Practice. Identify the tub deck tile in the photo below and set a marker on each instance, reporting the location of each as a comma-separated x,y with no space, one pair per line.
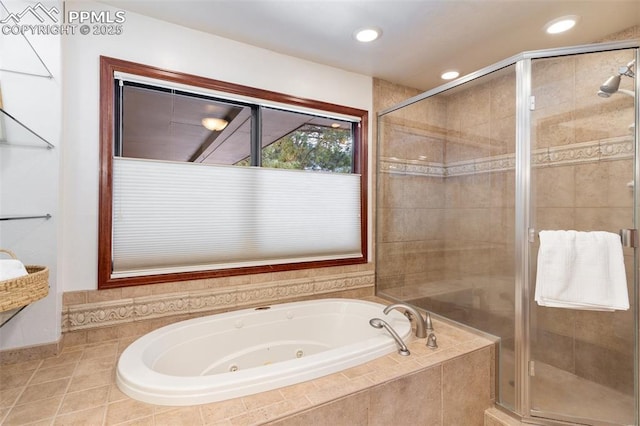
328,393
180,416
221,411
293,391
263,399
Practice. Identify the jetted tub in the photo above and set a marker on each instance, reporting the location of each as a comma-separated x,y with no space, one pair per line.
248,351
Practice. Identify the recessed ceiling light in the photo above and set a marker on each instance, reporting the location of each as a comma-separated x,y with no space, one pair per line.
214,124
366,35
449,75
560,25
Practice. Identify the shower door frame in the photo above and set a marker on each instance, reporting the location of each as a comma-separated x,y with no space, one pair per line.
523,231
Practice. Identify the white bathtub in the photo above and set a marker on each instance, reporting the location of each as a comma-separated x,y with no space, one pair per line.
248,351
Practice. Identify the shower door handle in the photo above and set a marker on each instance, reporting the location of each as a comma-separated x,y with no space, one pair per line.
629,237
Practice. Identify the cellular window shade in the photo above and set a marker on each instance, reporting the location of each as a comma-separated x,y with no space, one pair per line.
178,217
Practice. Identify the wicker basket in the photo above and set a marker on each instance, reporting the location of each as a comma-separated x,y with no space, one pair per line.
21,291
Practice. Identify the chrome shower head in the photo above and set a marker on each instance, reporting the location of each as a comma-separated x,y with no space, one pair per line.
610,86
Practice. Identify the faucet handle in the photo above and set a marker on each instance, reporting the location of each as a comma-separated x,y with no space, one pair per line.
428,324
431,341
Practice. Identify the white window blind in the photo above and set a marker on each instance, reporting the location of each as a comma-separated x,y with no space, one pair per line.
178,217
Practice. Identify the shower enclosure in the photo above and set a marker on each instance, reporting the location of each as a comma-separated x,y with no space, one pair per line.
470,172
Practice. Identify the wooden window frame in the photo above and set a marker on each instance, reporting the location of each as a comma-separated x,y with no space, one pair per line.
109,66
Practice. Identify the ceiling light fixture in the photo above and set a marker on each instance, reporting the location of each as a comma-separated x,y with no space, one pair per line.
560,25
214,124
366,35
335,125
449,75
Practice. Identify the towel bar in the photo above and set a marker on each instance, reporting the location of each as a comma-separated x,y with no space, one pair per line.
628,237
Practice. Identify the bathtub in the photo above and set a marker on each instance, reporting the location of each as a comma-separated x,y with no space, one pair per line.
243,352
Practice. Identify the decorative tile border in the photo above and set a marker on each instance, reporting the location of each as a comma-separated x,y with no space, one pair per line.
411,167
101,314
607,149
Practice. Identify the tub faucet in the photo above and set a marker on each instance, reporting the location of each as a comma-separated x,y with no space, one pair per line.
410,312
402,348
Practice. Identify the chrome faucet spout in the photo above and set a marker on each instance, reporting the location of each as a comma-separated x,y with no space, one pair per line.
421,331
378,323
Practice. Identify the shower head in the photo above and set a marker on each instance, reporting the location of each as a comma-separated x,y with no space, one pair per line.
610,86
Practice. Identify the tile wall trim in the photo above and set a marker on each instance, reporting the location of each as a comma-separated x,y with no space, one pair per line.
616,148
86,316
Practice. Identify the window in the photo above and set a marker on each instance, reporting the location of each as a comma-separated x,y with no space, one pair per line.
201,178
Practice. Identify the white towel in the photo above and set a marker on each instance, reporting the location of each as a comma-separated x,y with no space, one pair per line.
581,270
11,268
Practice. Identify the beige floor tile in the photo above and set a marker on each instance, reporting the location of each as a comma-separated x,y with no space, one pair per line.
63,358
82,400
92,416
14,380
28,413
41,391
115,394
48,374
43,422
128,409
3,413
91,380
101,351
92,365
8,397
143,421
21,367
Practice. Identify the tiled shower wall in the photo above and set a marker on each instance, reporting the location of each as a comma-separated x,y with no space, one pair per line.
446,210
447,189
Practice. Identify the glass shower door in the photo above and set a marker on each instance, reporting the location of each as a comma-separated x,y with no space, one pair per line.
582,178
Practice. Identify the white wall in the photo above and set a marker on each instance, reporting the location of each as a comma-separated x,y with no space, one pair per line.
29,176
65,110
163,45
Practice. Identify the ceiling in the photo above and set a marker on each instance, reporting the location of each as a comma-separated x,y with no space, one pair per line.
421,38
